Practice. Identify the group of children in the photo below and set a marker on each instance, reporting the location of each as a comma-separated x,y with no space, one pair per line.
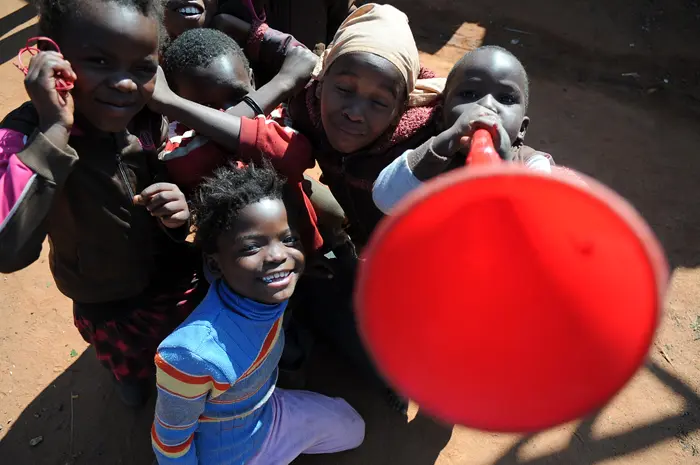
164,136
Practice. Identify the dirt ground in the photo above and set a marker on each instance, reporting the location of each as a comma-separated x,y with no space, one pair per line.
615,93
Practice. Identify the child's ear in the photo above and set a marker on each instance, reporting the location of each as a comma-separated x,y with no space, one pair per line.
252,78
523,128
212,264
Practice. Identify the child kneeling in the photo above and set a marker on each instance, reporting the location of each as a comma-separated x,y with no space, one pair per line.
216,373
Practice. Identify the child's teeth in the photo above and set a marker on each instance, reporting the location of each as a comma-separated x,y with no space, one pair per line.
188,10
275,277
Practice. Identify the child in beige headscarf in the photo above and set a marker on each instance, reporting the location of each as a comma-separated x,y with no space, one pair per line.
370,102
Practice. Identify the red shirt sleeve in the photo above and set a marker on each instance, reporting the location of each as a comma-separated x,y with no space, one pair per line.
288,150
189,157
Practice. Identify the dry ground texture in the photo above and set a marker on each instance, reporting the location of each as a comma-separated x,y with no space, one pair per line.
615,94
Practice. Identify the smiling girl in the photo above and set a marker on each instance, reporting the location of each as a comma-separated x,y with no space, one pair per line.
217,400
80,168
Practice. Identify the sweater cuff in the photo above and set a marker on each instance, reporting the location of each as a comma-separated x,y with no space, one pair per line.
425,163
47,160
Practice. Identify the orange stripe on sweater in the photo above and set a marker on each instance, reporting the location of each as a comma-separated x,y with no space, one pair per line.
270,339
170,450
187,378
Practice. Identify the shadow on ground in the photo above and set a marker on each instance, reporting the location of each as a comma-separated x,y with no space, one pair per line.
93,427
583,449
9,46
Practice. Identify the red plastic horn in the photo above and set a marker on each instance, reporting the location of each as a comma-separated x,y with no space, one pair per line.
508,300
481,151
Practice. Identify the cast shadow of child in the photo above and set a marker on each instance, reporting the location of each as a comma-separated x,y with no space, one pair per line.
81,421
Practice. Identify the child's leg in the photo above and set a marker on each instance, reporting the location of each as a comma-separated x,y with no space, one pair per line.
126,334
309,423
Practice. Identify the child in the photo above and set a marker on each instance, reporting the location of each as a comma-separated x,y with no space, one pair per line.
370,102
206,67
217,402
487,88
80,167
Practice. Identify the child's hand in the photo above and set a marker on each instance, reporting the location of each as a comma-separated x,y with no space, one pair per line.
298,65
54,107
481,118
166,202
162,95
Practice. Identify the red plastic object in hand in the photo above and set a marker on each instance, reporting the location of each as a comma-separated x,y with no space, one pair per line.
509,300
481,151
63,84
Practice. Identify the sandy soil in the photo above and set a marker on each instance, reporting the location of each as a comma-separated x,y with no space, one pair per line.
615,94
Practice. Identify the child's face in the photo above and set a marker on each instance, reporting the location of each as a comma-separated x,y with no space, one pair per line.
181,15
493,80
261,258
221,85
116,68
361,96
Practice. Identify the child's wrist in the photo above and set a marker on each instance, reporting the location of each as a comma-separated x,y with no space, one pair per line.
58,133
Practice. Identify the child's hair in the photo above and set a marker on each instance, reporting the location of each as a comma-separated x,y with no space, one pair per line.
220,198
54,14
458,65
198,48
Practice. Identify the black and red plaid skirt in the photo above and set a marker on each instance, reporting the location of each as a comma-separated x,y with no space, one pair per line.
126,334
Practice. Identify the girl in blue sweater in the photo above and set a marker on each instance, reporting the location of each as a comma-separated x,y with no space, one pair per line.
216,373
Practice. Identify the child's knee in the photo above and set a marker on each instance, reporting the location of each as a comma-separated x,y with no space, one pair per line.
354,427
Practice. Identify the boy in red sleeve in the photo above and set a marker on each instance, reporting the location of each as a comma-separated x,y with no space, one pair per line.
220,117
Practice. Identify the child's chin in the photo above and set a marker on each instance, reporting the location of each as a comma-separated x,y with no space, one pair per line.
283,294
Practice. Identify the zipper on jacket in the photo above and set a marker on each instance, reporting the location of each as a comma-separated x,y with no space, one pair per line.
125,178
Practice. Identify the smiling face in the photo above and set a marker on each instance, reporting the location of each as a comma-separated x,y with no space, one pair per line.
361,96
494,80
220,85
261,257
181,15
116,68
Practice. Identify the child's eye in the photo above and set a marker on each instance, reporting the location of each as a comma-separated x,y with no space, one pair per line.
380,104
290,240
147,68
97,61
508,99
469,94
250,249
343,90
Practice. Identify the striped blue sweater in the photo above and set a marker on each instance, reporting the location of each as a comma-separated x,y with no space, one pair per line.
215,374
